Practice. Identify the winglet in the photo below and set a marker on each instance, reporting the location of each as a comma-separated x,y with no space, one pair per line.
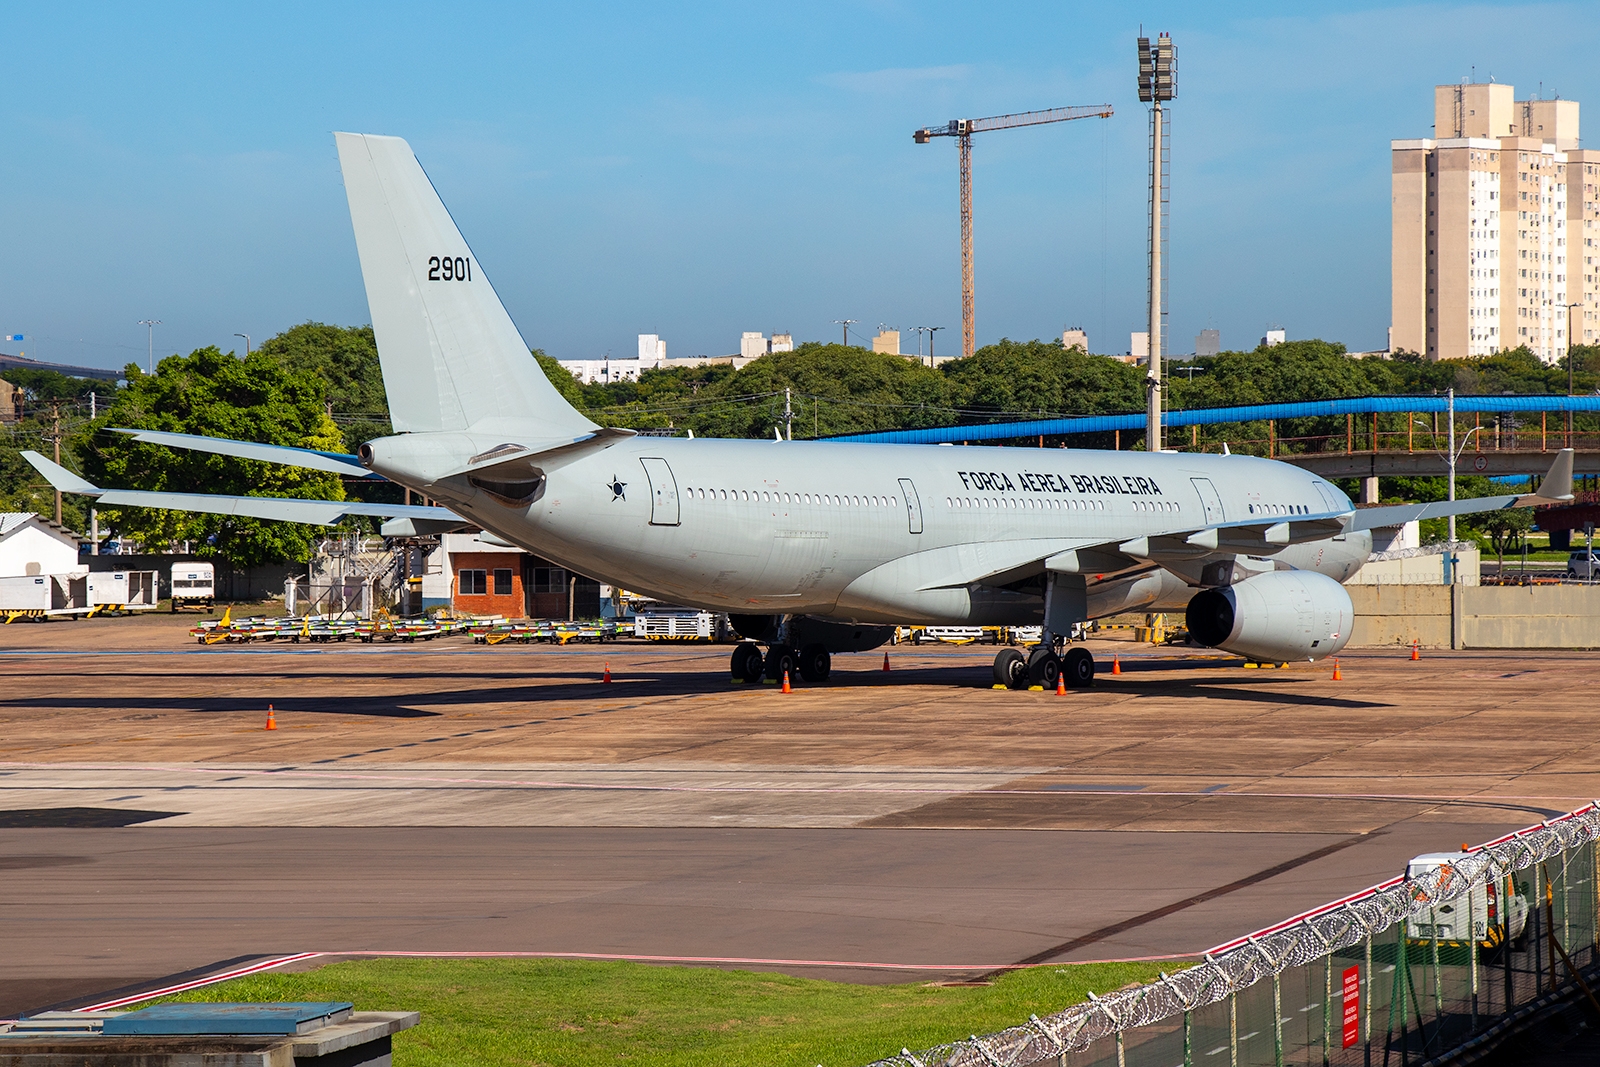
1557,485
64,480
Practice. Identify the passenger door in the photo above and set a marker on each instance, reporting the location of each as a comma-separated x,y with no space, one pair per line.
663,491
913,505
1211,501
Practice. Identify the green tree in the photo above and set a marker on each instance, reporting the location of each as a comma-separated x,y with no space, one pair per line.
213,394
1505,528
345,358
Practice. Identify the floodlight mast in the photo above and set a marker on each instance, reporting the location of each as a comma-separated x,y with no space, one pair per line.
1157,85
962,130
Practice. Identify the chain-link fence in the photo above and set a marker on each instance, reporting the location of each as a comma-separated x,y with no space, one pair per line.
1398,974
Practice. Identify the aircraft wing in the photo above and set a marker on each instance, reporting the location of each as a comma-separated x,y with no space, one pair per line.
316,512
333,462
1556,488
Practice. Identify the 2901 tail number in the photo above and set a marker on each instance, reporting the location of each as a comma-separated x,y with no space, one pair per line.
448,269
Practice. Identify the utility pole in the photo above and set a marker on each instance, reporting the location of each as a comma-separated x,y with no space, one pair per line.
246,342
55,433
846,323
1157,84
1569,370
150,325
962,130
788,417
931,330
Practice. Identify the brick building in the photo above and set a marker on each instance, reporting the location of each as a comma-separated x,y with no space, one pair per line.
490,579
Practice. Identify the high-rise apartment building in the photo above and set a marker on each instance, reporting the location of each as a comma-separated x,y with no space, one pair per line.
1495,224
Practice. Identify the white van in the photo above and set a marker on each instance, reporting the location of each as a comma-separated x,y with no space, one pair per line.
1450,919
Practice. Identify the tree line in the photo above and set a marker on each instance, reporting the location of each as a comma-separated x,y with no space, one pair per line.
321,386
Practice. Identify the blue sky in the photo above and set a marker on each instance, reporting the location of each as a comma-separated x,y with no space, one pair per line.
704,170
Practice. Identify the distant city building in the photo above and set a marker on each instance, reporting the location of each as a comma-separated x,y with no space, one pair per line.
1208,343
1494,228
652,347
887,342
1276,335
652,356
781,342
1075,337
752,345
10,402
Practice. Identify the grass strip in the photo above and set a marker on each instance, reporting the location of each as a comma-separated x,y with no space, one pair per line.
579,1013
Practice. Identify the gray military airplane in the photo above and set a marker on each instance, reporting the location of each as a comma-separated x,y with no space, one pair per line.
814,547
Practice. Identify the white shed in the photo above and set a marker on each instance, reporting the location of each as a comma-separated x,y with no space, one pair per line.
31,545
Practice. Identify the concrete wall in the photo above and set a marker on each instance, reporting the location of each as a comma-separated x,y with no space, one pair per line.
1420,569
1442,616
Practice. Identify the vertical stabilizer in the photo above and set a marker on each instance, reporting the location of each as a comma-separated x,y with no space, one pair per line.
452,358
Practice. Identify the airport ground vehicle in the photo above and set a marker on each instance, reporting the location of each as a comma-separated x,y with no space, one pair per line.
1489,916
1583,564
193,584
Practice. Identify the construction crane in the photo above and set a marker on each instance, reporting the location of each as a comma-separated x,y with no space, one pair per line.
962,130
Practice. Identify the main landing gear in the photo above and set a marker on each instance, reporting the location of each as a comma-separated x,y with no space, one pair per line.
1042,667
811,664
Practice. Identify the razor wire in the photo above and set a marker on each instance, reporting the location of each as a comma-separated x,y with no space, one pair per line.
1237,965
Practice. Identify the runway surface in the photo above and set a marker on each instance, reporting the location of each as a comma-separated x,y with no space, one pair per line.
460,798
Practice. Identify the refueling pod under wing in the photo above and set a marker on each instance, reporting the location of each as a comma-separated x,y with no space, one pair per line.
1274,617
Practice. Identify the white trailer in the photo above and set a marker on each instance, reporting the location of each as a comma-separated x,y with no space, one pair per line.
122,590
42,595
193,583
27,595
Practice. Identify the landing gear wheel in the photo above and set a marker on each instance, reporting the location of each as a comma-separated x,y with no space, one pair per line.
1010,669
1044,668
815,663
781,661
748,663
1077,666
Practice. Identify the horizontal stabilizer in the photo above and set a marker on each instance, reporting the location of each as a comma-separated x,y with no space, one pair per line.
58,476
280,509
333,462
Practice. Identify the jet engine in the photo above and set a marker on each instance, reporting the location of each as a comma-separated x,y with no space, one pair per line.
1274,617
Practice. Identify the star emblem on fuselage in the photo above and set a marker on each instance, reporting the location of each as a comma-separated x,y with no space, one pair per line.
617,488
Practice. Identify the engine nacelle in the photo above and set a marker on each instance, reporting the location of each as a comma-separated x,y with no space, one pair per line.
1274,617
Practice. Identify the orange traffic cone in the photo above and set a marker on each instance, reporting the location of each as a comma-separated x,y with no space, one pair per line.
606,677
1116,665
1061,685
1336,675
886,662
1415,654
272,720
786,688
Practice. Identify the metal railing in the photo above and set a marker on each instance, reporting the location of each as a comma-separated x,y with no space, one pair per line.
1381,977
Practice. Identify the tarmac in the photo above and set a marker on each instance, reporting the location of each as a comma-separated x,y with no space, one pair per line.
448,797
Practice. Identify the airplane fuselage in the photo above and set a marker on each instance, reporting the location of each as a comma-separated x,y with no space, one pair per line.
883,533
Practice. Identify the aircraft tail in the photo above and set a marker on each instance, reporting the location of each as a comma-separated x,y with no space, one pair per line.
452,358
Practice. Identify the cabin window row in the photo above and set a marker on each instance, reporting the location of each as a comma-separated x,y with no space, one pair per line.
1025,503
1279,509
767,496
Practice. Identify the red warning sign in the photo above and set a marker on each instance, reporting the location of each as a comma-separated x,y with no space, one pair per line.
1352,1006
